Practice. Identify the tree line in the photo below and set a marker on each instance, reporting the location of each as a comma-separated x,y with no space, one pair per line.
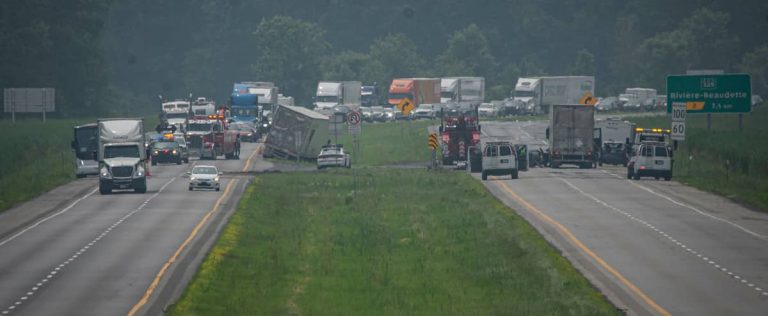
111,57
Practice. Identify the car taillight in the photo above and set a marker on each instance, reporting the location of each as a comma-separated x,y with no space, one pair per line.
642,167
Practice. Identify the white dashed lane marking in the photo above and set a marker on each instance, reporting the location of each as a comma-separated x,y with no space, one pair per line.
82,250
705,259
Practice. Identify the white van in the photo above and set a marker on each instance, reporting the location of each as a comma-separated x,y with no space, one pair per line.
499,158
651,159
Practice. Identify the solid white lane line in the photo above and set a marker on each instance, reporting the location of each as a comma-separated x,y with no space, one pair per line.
16,235
665,235
82,250
698,211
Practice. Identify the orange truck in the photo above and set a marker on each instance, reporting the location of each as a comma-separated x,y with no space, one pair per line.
418,90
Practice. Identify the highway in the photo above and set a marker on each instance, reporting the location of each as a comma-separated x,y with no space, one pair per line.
73,251
652,247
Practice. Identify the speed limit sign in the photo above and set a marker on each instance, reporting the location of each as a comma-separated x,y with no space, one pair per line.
678,121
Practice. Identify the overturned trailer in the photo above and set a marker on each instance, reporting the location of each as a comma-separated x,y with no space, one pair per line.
296,131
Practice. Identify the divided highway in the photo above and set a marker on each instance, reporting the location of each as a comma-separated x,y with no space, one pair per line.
653,247
111,254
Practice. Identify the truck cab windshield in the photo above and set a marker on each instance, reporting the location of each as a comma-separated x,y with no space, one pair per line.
121,151
524,94
244,111
327,98
398,96
198,127
176,115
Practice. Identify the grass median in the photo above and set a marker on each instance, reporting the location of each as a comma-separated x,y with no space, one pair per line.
723,159
382,242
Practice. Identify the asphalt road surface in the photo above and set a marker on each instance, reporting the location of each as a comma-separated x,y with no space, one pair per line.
652,247
73,251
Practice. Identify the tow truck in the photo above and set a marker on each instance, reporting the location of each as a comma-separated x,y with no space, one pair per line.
209,136
460,133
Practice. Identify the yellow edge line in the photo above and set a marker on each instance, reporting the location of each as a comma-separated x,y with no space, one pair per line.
151,289
575,241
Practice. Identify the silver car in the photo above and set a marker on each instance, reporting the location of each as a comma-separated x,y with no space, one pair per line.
204,177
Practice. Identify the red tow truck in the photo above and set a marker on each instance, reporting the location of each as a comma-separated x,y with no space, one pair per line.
460,132
209,136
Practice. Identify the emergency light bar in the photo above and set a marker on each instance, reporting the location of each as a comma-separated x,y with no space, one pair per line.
652,130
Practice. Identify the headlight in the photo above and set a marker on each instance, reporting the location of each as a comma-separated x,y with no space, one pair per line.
155,153
216,179
104,173
192,178
139,172
175,152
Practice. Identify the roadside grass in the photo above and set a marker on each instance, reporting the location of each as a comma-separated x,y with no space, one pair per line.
382,242
399,142
723,160
36,157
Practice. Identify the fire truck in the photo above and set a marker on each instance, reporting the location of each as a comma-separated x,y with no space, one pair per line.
460,132
209,136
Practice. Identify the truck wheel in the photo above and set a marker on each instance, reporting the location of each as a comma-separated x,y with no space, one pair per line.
515,175
140,189
629,173
154,163
80,176
555,165
484,176
104,190
178,162
636,176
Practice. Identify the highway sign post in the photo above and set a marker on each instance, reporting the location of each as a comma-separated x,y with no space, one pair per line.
29,100
353,122
711,93
678,121
354,126
432,144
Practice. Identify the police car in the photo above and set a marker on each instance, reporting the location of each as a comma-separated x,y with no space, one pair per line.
166,150
333,156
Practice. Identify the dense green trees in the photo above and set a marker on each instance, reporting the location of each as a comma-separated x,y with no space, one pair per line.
116,56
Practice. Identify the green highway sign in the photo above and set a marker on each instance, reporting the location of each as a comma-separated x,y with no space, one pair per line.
716,93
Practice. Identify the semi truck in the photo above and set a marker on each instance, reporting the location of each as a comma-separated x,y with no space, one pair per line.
85,145
639,99
296,131
249,99
203,106
462,90
122,155
460,135
535,95
571,135
369,96
418,90
332,94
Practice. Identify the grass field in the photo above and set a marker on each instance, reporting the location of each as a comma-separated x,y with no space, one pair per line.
391,143
36,157
383,242
722,159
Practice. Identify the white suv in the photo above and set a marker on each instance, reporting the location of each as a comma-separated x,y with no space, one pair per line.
651,159
499,158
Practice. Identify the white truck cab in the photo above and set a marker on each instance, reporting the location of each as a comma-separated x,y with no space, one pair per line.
499,158
651,159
